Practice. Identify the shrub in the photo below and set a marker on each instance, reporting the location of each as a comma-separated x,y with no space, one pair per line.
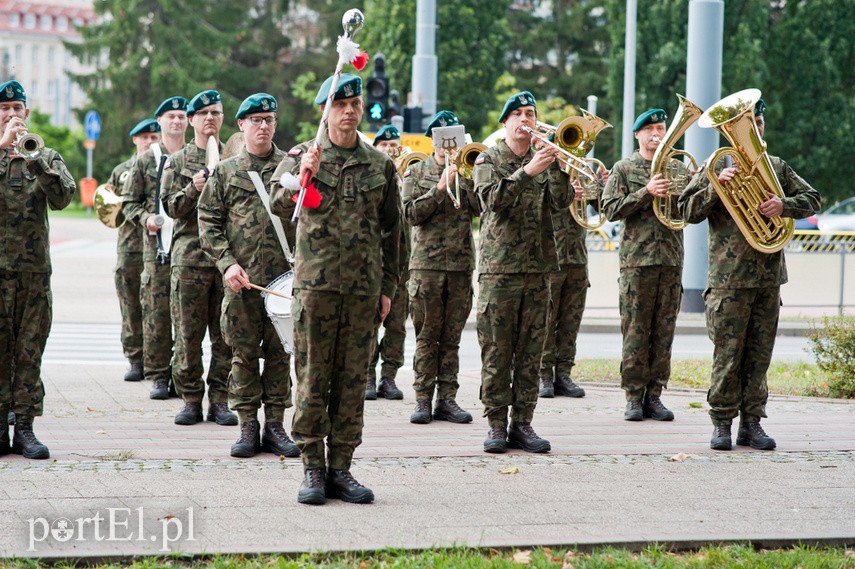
833,345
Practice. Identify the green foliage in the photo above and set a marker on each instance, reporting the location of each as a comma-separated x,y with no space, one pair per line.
833,344
62,139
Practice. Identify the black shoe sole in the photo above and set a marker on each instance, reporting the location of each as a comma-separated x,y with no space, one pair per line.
313,497
498,447
393,396
421,420
41,455
721,445
227,422
574,394
133,378
188,420
668,417
748,443
243,453
159,395
541,448
370,396
289,453
364,497
452,418
546,393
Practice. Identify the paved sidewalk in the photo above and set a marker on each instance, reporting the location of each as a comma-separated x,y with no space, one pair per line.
114,452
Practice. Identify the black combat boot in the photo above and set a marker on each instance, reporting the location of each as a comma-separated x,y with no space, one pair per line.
721,436
135,373
547,388
633,411
566,387
219,413
449,410
160,389
653,408
388,389
249,442
421,416
5,446
371,388
313,489
752,434
277,441
25,442
190,414
497,439
521,435
342,485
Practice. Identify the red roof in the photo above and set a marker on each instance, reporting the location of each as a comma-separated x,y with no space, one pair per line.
22,7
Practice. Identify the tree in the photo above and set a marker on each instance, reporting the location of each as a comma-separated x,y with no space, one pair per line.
67,142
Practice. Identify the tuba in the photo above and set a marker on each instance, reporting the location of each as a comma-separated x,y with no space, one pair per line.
108,206
733,117
671,169
407,158
29,146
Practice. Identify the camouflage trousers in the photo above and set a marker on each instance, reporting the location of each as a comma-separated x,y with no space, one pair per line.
129,267
742,324
196,299
252,337
26,308
512,312
568,291
391,347
649,303
157,321
332,342
440,302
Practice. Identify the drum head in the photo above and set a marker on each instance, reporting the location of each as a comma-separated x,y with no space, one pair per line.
277,305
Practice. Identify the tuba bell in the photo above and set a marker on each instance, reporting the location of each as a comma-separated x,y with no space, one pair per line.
733,117
108,206
29,146
664,163
406,158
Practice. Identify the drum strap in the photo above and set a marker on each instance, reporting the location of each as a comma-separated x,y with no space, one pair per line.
277,222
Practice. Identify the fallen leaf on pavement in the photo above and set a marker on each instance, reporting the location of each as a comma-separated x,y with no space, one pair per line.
679,457
90,409
522,557
100,432
510,470
696,405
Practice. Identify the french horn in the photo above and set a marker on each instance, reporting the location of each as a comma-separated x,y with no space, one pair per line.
108,206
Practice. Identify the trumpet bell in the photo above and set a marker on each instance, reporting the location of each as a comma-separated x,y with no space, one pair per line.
29,146
108,206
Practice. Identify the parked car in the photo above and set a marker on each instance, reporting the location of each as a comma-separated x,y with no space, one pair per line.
807,223
839,217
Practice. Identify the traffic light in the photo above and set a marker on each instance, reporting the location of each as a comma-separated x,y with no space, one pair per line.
377,93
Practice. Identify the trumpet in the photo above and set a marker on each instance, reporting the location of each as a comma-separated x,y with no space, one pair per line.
29,146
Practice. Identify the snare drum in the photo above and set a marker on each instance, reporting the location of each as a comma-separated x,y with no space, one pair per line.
279,309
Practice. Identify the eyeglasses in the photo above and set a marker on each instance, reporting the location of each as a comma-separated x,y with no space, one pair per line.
258,121
213,114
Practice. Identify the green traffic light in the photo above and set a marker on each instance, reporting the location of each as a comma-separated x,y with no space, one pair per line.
376,112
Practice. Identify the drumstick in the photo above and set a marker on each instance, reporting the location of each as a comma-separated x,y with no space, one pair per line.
268,291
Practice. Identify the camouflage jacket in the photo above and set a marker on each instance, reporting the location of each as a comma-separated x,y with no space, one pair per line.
516,212
234,226
348,244
442,234
139,206
644,240
26,193
569,238
733,263
179,197
130,234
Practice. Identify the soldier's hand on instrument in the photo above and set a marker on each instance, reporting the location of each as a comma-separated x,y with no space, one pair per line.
310,162
16,126
658,186
236,278
578,191
773,207
604,176
728,174
541,161
151,224
199,180
385,308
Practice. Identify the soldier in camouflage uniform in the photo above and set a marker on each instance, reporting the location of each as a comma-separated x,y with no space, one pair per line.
743,299
568,289
518,188
651,263
196,287
28,187
391,347
346,266
441,284
239,235
139,208
129,263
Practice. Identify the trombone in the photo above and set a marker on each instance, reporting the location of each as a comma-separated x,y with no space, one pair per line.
568,159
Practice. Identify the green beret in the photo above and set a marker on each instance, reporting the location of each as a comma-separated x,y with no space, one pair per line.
201,100
144,126
522,99
650,116
442,118
388,132
171,104
258,103
12,91
348,86
759,108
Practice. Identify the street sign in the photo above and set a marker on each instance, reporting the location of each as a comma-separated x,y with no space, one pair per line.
92,125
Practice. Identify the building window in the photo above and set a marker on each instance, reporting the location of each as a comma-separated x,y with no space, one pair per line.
62,23
35,54
29,21
46,22
51,88
51,53
14,19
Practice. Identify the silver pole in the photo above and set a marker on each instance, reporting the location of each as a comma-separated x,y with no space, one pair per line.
425,66
628,144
